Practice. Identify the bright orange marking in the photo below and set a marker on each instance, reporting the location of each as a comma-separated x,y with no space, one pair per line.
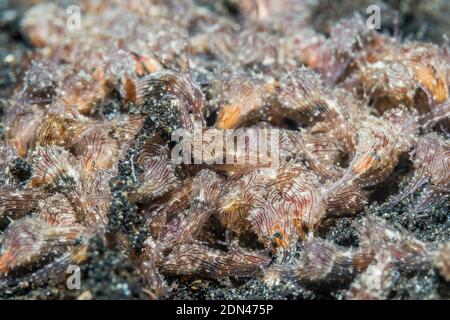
298,226
281,243
434,82
5,260
364,164
228,117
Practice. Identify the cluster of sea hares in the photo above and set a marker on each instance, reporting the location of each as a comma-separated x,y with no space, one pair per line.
86,152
